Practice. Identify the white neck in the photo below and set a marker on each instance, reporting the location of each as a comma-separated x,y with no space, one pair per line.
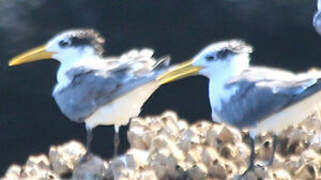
222,74
61,73
68,61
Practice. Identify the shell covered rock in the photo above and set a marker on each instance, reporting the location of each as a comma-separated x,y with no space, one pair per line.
166,147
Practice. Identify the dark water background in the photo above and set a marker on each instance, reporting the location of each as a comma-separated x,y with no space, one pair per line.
281,32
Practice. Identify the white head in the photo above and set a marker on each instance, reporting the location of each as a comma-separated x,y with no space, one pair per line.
225,58
66,47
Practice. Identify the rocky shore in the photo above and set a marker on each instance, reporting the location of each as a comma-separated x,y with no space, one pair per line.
166,147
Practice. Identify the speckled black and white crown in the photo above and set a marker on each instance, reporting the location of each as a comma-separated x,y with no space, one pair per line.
238,46
223,49
83,37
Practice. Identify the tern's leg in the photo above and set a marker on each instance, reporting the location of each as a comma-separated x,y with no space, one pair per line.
252,157
116,140
274,143
89,139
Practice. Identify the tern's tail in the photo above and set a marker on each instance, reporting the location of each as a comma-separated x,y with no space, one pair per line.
162,63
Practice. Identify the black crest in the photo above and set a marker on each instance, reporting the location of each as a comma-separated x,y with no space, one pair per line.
224,53
85,37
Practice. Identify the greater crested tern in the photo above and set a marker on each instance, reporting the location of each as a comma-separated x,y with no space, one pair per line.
97,90
259,99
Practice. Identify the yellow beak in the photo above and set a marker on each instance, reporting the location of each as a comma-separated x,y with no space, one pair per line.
35,54
179,71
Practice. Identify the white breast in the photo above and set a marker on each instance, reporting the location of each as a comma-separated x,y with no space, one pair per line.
123,108
218,93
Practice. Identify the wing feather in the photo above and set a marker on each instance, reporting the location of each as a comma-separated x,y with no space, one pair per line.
262,92
91,88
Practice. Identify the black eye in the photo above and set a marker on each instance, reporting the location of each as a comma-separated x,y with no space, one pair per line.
209,57
64,43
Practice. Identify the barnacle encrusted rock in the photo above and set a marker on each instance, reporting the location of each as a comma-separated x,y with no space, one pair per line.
37,167
64,158
94,168
166,147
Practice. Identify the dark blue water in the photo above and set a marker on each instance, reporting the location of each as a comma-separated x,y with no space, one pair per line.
280,31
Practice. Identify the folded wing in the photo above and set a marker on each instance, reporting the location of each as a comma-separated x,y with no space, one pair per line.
263,92
92,88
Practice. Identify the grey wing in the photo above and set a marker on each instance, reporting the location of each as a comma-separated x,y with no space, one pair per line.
78,100
258,98
92,88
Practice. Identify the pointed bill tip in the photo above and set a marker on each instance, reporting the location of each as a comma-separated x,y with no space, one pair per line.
179,71
35,54
11,63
